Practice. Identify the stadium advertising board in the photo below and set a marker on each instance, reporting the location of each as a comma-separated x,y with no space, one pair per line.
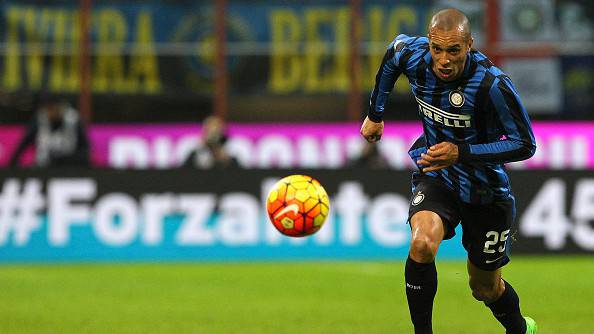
555,211
108,215
190,215
316,145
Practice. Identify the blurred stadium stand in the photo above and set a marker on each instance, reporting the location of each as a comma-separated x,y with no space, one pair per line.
156,61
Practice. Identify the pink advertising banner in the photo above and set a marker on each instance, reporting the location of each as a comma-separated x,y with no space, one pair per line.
315,145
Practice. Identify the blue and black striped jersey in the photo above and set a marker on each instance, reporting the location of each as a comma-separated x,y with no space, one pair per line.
480,112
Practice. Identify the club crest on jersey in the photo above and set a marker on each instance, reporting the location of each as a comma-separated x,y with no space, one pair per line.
444,117
456,98
418,199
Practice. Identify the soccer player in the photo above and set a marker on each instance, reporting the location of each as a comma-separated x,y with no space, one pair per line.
473,123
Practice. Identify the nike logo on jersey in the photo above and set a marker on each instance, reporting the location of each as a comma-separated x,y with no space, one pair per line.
491,261
292,207
443,117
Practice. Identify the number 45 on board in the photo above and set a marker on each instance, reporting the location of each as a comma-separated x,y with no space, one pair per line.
546,216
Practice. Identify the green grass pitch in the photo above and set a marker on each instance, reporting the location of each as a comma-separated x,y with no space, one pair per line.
297,297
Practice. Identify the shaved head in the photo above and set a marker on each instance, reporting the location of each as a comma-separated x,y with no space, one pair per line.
450,43
450,20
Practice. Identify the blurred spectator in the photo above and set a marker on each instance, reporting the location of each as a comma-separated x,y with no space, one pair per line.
212,153
370,157
58,135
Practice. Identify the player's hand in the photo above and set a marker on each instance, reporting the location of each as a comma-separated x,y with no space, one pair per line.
371,130
439,156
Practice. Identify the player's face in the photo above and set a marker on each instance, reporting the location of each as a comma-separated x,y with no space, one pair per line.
449,50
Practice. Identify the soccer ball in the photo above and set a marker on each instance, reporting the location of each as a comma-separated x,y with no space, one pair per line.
298,205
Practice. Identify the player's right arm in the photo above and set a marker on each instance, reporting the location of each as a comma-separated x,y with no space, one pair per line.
385,79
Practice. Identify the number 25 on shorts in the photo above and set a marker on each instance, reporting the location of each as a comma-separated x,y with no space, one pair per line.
493,238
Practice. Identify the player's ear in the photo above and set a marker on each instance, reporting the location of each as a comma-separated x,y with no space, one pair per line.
470,41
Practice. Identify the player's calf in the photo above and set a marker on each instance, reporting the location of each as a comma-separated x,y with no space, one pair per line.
427,232
486,291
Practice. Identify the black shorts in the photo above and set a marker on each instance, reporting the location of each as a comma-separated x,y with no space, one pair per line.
485,228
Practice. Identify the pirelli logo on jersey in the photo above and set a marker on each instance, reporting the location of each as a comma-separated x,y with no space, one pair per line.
443,117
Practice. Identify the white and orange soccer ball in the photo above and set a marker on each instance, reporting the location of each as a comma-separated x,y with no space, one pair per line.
298,205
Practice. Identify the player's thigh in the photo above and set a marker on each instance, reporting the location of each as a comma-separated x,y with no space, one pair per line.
486,233
427,224
427,232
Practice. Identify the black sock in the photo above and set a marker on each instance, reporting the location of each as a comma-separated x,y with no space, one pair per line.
421,286
506,310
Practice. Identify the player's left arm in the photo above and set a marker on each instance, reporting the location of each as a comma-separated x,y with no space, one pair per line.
518,144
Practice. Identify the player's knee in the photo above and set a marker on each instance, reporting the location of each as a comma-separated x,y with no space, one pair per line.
485,292
423,249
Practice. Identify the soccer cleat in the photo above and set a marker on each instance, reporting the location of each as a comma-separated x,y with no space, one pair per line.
530,325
